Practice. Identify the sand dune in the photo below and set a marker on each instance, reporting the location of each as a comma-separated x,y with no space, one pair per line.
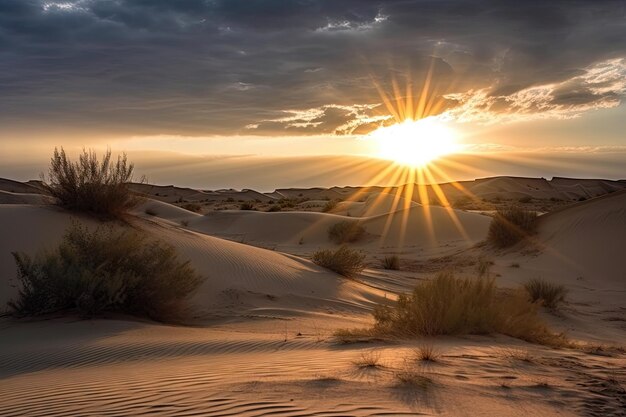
122,368
163,210
429,226
171,194
374,204
426,227
18,187
239,277
7,197
263,320
493,188
588,240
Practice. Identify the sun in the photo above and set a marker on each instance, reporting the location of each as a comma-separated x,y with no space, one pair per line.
415,142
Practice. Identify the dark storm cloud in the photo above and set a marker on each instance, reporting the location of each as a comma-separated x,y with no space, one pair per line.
214,67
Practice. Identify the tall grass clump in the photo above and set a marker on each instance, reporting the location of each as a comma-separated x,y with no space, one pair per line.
344,261
510,226
391,262
550,295
346,232
91,185
448,305
104,270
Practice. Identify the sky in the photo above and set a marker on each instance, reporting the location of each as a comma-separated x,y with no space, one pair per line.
199,92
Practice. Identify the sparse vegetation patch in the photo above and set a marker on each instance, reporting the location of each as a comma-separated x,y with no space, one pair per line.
344,261
330,206
90,185
511,226
448,305
346,232
246,206
93,272
391,262
550,295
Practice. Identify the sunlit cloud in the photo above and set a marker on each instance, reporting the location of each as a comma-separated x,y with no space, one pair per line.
600,86
331,119
352,26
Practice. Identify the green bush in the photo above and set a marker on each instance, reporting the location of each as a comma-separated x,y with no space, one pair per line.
104,271
550,295
510,226
345,232
448,305
273,208
344,261
89,185
391,262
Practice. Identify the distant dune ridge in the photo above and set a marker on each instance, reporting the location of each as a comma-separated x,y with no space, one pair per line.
262,324
487,188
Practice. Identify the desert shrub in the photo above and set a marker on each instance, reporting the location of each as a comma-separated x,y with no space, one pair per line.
274,208
286,203
582,198
448,305
525,199
89,185
330,206
391,262
195,207
510,226
345,232
230,200
344,261
92,272
550,295
246,206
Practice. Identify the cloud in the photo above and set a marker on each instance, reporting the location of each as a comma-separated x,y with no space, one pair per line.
599,86
331,119
200,67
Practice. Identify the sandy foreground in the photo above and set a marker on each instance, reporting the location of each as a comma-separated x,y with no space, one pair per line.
259,340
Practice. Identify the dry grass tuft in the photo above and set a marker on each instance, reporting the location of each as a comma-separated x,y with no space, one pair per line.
511,226
550,295
391,262
193,207
345,232
427,353
483,266
448,305
344,261
410,376
368,359
330,206
246,206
